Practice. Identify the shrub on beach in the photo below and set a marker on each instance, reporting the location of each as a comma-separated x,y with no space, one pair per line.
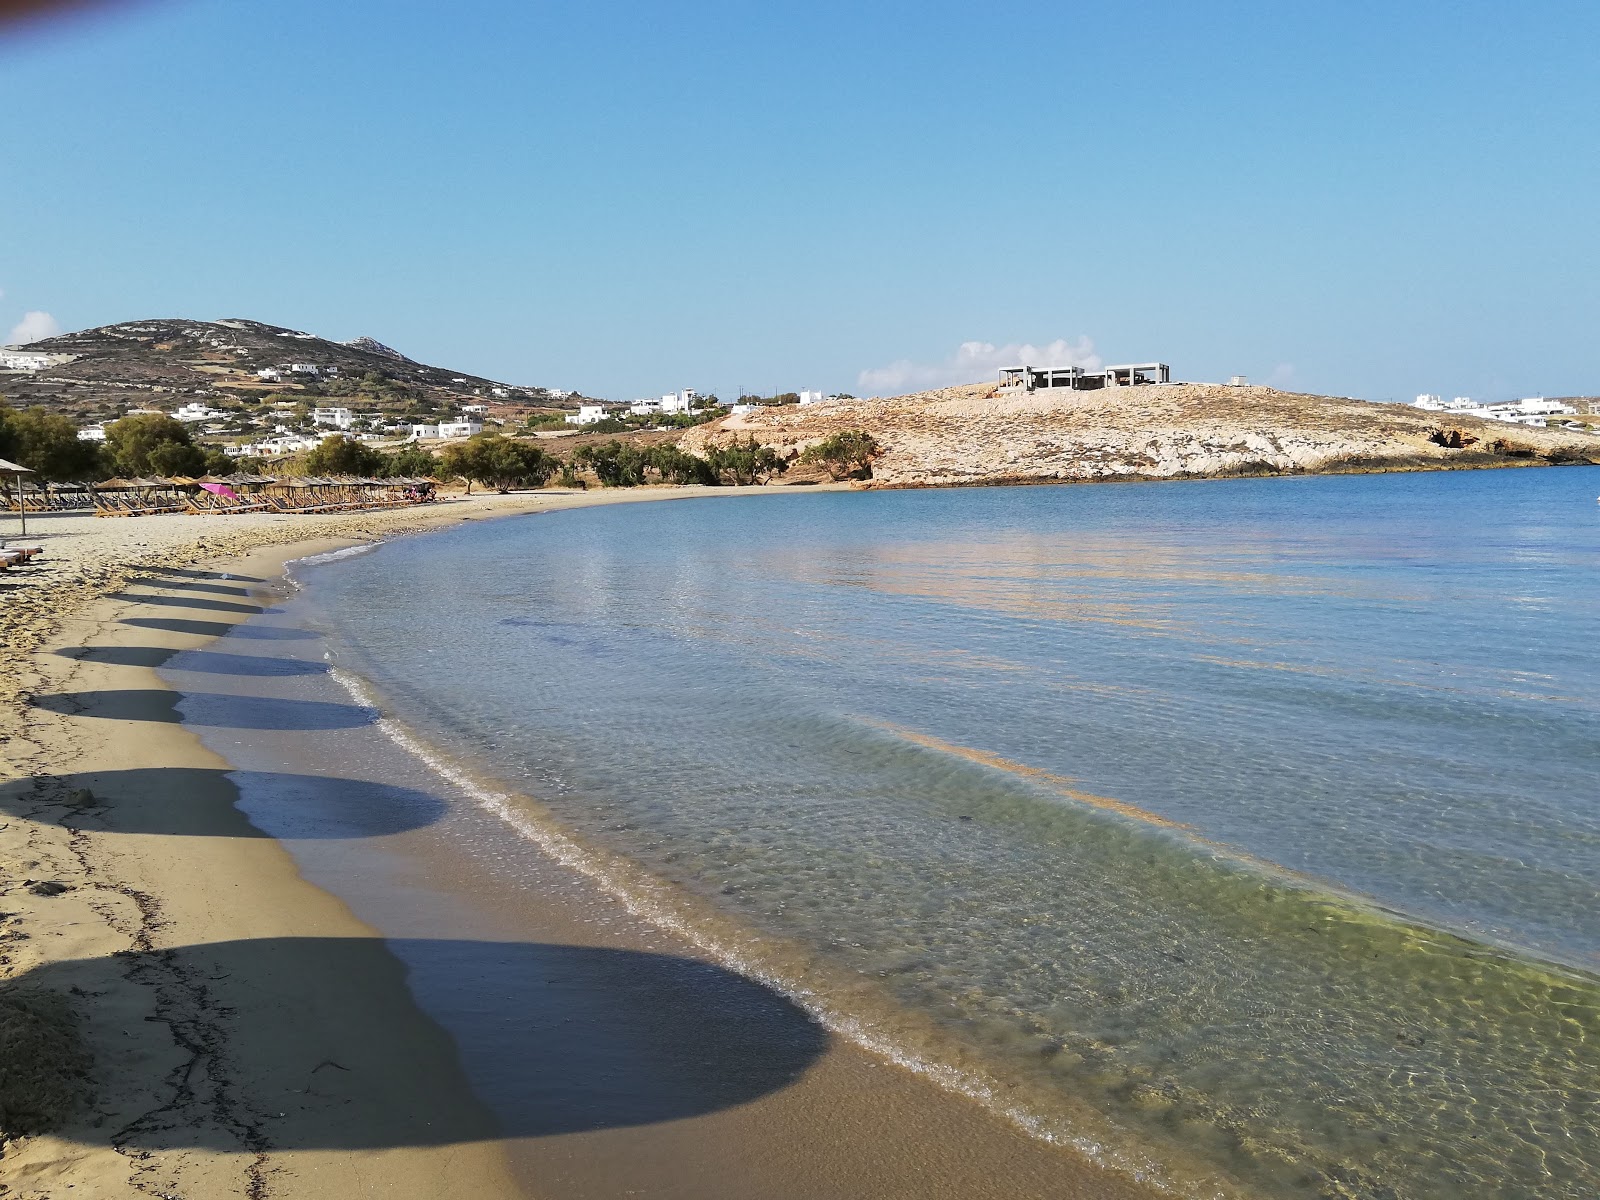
746,462
614,464
844,455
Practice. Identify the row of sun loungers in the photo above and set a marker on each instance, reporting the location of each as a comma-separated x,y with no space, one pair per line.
17,556
339,500
148,497
112,504
38,502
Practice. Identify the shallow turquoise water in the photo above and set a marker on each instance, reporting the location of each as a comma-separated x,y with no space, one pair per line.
1247,827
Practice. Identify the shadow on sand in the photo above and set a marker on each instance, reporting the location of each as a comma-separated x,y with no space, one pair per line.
203,802
204,662
554,1040
215,710
187,585
190,573
216,629
201,602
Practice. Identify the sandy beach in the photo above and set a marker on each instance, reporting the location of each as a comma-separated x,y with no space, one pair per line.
243,1032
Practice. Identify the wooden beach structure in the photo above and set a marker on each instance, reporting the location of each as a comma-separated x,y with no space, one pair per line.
221,495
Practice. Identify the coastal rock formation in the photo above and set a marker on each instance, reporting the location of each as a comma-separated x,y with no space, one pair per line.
976,435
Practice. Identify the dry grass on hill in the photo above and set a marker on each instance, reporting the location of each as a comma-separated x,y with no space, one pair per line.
973,434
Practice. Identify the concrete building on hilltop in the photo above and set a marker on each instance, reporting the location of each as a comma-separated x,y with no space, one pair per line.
1080,379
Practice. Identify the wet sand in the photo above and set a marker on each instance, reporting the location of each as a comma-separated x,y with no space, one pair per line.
254,1033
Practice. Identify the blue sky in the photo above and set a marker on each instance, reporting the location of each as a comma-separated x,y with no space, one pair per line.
1357,198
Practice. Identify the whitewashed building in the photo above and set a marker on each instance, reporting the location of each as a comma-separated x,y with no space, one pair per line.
587,414
455,429
1532,410
425,431
338,418
195,411
31,360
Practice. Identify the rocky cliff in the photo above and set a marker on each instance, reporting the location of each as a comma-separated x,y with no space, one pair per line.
975,435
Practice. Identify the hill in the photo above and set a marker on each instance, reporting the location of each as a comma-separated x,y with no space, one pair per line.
975,434
99,373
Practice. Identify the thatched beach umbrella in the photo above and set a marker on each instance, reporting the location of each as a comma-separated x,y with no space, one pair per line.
17,472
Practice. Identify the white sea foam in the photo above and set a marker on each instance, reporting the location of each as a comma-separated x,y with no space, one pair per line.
649,902
316,560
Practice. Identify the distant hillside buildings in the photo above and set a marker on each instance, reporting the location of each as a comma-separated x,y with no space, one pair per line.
1533,410
13,359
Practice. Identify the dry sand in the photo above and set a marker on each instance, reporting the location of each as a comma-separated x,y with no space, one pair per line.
251,1036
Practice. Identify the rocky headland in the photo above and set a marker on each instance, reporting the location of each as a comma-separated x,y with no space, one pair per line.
978,435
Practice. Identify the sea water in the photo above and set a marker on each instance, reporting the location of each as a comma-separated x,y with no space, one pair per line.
1244,834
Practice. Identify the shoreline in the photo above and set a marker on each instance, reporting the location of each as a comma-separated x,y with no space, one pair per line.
164,889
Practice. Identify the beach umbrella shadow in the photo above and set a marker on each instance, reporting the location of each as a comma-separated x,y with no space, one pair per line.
202,602
216,710
263,633
203,802
190,573
368,1043
205,662
187,585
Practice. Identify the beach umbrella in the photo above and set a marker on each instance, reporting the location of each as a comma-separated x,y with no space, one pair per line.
17,472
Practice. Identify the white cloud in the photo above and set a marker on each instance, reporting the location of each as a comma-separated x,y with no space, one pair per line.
975,362
34,327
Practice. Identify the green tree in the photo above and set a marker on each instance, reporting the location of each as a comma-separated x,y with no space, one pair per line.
614,464
546,420
174,458
219,463
499,462
677,466
411,460
48,443
153,444
339,455
845,455
747,462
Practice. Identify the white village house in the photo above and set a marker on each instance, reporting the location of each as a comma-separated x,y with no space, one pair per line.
195,411
587,414
14,359
338,418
